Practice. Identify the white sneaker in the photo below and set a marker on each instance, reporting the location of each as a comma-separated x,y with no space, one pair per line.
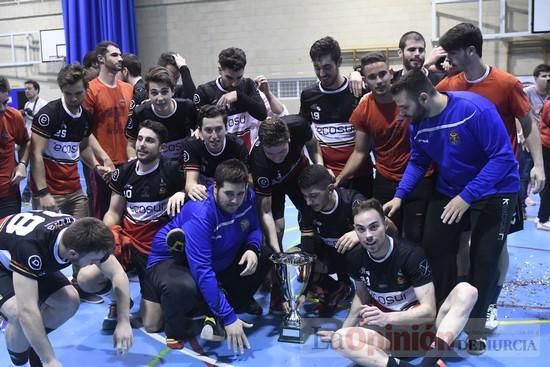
543,226
491,322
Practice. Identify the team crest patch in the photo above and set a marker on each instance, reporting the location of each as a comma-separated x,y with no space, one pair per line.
35,262
263,182
43,120
245,224
454,138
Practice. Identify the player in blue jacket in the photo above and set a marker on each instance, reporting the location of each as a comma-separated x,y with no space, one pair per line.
216,255
476,185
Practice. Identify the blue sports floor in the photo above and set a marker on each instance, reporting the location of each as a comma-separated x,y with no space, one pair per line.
522,339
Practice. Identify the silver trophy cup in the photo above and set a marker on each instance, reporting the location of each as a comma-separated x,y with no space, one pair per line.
293,269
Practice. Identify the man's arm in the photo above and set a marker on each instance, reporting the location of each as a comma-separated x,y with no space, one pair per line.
357,158
249,98
38,172
267,222
116,210
122,336
30,318
314,151
533,143
194,190
424,312
361,297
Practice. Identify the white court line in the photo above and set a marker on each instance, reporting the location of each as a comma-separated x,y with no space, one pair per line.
186,351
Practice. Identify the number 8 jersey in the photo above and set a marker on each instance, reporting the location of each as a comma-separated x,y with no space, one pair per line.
29,243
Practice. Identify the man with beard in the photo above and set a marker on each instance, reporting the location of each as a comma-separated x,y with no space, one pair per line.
238,95
377,119
146,191
108,101
412,51
327,106
202,155
476,186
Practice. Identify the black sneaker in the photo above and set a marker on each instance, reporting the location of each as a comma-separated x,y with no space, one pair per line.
477,346
110,321
212,330
85,296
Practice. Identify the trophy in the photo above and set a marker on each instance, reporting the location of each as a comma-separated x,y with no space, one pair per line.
293,269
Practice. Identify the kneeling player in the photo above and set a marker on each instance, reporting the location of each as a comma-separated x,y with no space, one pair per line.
37,297
395,294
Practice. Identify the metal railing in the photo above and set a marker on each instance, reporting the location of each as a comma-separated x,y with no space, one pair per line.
20,49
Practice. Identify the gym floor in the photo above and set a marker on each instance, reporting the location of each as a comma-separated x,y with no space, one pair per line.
520,340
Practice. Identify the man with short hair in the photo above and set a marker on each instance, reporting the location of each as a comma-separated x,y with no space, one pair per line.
108,100
464,46
131,73
380,126
334,236
217,254
328,105
177,115
202,155
177,67
237,94
34,102
412,51
395,301
476,186
61,137
12,171
37,297
145,194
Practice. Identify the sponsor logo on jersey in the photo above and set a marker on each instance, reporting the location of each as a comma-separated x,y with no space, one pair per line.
395,301
43,120
237,122
185,156
122,102
196,98
174,149
63,150
35,262
340,132
263,182
115,174
424,268
146,211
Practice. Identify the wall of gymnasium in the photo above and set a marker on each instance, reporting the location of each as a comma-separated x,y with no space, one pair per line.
277,35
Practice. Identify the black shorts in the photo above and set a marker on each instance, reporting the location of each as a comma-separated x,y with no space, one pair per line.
290,188
10,205
139,261
47,285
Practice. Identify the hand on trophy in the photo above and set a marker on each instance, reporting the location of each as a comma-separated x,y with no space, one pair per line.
236,337
373,316
251,260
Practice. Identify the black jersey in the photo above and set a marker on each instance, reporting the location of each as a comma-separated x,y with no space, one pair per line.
391,280
146,197
242,114
197,157
333,224
140,94
29,242
64,132
179,125
267,174
329,111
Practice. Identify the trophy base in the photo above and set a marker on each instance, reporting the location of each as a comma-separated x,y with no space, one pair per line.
291,335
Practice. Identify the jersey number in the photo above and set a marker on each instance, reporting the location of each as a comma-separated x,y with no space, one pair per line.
23,223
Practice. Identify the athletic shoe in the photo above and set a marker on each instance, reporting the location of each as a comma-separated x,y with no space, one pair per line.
174,343
110,321
212,330
491,323
477,346
543,226
85,296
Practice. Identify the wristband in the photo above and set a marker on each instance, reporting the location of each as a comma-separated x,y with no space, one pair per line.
25,163
42,192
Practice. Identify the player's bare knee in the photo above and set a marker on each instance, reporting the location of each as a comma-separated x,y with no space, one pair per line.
65,301
91,280
466,295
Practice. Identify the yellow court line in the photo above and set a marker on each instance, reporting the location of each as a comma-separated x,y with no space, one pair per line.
523,322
